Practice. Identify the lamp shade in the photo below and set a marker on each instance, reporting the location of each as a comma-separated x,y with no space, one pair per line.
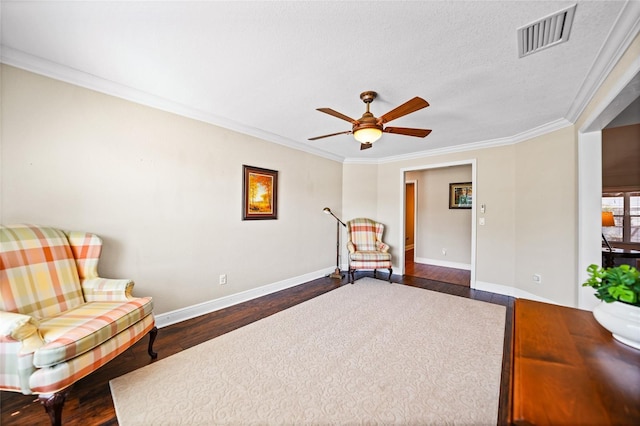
607,219
367,135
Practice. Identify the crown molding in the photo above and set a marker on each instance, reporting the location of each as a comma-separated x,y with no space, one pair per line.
492,143
57,71
622,34
22,60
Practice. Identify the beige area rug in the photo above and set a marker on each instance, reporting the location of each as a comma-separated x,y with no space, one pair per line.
368,353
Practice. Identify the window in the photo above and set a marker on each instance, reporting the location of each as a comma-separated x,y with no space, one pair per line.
626,213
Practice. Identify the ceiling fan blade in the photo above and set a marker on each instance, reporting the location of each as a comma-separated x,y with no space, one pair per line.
337,114
419,133
365,145
406,108
332,134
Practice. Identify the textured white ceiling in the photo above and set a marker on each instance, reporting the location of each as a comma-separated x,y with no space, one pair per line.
263,67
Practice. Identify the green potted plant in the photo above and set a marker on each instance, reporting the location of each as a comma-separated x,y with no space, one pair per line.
619,290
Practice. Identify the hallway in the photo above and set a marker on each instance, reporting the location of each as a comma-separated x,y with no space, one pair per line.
437,273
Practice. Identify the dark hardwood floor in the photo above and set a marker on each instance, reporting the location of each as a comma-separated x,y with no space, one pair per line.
436,273
89,401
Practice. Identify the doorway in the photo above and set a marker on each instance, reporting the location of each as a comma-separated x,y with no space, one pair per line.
626,91
410,214
427,221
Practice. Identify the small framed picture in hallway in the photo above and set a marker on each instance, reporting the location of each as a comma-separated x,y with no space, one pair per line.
460,195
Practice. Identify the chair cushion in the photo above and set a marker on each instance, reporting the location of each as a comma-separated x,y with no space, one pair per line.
370,256
79,330
369,260
60,376
38,274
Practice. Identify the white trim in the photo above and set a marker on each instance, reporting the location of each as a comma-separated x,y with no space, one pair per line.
474,221
474,173
589,208
622,34
183,314
445,263
511,292
622,94
510,140
19,59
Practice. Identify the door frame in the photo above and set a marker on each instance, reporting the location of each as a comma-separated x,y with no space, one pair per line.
403,171
415,211
621,95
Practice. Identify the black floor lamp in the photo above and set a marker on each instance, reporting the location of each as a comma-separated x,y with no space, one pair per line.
337,273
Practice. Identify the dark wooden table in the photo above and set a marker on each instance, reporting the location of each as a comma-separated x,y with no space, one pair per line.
610,255
568,370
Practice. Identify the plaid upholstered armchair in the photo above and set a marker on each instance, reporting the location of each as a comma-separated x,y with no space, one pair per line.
366,249
59,321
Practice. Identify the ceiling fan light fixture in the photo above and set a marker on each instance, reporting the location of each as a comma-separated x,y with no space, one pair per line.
367,135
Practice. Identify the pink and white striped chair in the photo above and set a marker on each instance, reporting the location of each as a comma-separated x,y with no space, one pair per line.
59,321
366,249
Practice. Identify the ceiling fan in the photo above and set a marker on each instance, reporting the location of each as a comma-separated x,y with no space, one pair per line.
368,129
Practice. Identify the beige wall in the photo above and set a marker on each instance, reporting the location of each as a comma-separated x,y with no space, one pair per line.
361,192
530,219
546,216
163,191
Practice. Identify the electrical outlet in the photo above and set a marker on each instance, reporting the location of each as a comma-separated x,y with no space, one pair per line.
444,251
537,278
223,279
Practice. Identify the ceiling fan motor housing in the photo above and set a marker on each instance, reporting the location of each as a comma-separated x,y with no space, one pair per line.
368,120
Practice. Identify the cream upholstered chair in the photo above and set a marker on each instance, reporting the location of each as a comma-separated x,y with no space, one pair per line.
59,321
366,249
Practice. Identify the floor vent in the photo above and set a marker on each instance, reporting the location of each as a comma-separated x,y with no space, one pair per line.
546,32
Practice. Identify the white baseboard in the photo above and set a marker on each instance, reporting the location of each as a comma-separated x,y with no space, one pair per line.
510,291
445,263
183,314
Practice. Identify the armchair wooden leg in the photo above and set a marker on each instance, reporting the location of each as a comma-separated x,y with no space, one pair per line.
53,405
352,272
390,272
152,338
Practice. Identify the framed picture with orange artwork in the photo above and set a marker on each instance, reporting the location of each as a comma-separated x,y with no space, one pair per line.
259,193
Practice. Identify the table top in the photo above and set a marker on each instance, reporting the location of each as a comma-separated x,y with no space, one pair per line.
567,369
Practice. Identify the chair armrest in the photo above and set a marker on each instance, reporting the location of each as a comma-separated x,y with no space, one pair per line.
382,246
351,247
23,328
106,290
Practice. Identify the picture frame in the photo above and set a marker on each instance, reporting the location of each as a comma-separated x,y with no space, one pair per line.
259,193
460,195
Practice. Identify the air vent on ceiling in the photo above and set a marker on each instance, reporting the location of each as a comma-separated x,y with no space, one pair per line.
546,32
